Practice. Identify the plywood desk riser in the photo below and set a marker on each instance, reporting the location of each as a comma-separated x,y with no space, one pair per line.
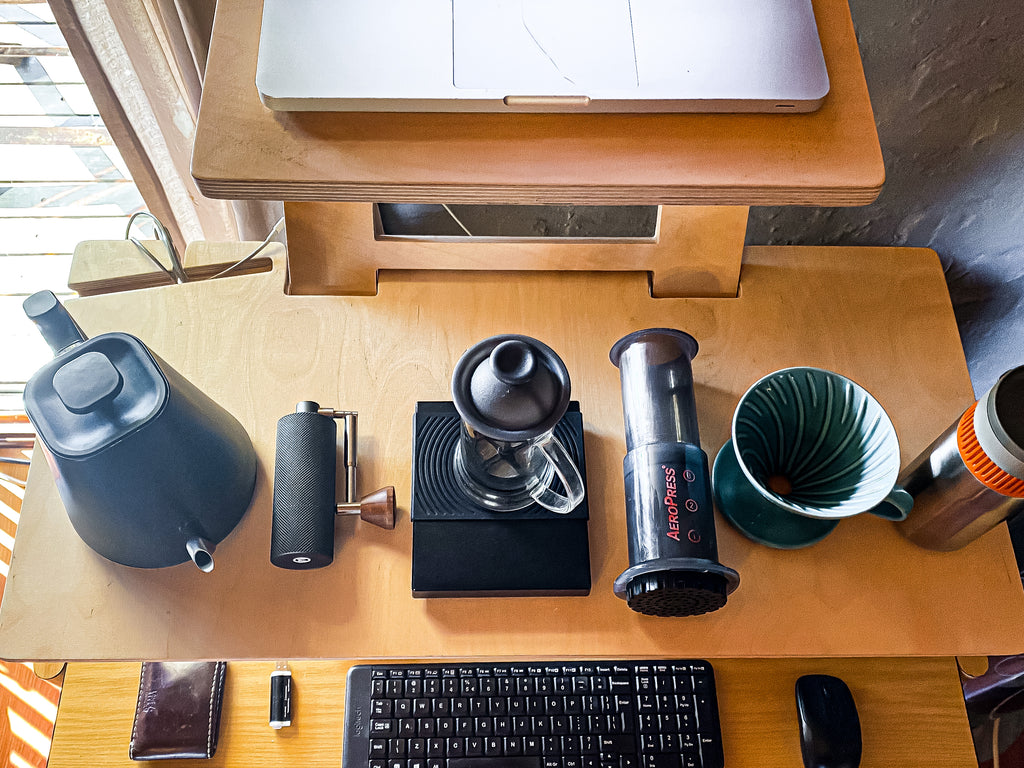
880,316
327,166
244,150
911,712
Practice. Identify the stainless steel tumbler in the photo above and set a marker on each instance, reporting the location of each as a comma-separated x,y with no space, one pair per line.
972,477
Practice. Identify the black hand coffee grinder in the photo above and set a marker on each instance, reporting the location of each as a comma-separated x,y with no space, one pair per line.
673,552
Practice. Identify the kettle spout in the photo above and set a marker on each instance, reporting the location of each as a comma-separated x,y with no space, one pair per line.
201,552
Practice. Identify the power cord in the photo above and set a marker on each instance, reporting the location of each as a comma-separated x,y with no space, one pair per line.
273,233
176,274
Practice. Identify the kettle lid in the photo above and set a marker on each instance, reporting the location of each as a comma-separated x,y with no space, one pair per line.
511,387
95,394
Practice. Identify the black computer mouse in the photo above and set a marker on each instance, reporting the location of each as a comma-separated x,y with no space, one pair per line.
829,726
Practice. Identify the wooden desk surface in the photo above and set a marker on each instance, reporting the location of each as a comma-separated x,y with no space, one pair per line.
244,150
880,316
911,713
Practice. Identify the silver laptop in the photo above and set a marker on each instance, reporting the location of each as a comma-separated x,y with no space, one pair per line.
541,56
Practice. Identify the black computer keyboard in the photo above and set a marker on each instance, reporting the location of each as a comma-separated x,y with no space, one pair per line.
593,714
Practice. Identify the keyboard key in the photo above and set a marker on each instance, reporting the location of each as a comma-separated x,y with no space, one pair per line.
497,706
617,744
383,727
417,748
663,760
438,707
380,708
378,748
397,748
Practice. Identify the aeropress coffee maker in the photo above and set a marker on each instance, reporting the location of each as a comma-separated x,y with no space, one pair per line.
673,552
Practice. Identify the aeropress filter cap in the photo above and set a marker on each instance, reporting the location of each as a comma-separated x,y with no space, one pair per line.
673,552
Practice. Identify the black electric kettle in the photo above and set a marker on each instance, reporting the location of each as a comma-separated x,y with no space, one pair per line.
152,471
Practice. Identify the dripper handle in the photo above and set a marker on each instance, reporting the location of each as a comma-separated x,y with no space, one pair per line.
896,506
56,325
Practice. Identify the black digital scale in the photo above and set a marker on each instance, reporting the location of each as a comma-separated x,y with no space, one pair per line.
462,549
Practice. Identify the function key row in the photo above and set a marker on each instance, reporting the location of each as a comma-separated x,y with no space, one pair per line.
542,670
496,685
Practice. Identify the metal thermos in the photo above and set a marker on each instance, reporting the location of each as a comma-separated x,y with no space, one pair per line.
673,551
972,477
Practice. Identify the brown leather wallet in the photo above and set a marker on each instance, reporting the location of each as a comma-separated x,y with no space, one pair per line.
178,711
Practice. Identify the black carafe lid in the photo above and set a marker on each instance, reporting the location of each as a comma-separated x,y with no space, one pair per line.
511,388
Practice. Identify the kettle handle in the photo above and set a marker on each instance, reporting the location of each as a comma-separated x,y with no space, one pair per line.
57,327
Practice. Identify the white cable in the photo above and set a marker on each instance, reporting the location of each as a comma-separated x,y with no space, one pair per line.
273,233
456,218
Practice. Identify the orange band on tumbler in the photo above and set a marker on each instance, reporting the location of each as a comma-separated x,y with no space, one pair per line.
980,465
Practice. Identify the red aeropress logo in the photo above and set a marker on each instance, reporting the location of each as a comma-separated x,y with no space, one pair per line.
672,504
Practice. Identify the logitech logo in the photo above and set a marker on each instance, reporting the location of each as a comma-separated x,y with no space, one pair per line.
357,722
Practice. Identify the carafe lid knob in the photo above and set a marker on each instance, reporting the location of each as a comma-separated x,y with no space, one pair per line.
511,388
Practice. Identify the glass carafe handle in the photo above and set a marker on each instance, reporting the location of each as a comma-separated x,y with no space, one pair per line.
566,471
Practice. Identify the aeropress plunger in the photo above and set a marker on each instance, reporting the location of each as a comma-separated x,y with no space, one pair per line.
673,554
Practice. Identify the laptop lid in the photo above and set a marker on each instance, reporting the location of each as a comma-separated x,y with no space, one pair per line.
541,55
